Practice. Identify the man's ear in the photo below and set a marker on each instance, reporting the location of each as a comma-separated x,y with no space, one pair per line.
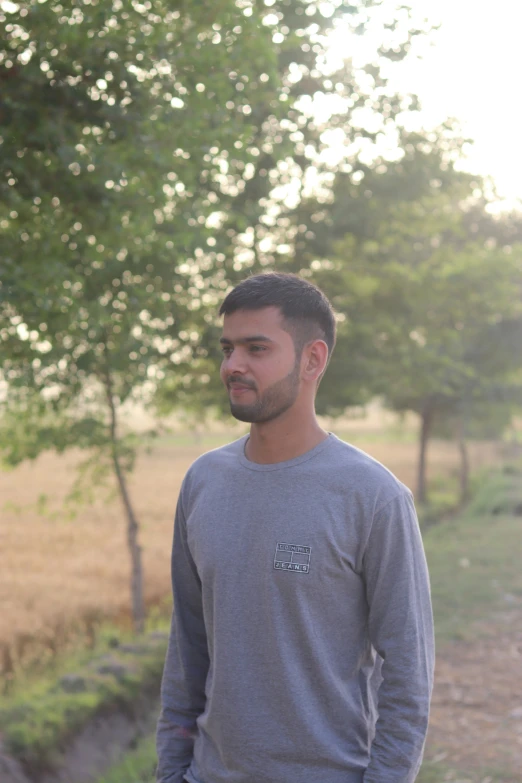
315,358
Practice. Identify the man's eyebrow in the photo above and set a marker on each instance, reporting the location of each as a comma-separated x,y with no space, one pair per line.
257,338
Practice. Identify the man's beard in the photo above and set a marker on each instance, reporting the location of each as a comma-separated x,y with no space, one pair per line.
275,401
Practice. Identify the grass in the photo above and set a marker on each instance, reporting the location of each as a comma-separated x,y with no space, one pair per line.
475,559
37,722
476,579
434,773
138,766
71,658
442,773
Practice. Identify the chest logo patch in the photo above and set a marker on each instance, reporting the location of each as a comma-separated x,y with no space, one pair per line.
292,557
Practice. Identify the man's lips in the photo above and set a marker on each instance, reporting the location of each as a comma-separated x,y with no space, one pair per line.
238,388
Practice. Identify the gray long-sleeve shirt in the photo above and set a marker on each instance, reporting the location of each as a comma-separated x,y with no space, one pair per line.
301,646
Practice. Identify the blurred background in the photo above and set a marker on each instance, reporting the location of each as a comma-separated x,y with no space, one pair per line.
152,155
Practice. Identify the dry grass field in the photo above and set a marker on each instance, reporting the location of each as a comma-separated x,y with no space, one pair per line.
54,570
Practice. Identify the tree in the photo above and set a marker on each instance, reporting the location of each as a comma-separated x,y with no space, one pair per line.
143,148
374,227
263,225
112,118
433,315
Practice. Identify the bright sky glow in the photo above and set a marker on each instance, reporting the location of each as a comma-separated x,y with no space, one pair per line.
473,72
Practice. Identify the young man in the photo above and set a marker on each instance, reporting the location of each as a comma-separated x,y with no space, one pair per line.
301,647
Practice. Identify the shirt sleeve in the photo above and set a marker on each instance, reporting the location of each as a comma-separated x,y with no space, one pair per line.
401,631
186,664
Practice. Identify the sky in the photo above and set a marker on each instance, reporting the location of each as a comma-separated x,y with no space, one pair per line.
472,71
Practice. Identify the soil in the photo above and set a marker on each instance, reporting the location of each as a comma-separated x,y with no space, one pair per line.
476,720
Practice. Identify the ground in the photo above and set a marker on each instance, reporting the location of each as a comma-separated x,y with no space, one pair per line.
476,720
55,570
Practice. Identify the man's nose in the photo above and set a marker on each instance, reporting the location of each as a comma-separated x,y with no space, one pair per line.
236,362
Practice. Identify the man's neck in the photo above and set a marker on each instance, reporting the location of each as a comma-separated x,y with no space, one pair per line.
280,440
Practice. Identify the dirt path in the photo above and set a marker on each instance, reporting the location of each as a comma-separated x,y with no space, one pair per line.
476,723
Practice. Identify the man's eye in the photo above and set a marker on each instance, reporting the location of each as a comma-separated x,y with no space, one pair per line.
257,348
226,349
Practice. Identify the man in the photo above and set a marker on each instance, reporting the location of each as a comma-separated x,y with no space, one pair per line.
301,646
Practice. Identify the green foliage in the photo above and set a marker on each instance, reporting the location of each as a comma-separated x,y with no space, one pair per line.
31,424
123,228
124,84
444,501
142,148
109,116
474,559
434,313
151,156
35,732
138,765
428,296
483,419
180,128
498,494
38,722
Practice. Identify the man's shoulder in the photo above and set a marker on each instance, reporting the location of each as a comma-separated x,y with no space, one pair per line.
209,469
370,475
221,457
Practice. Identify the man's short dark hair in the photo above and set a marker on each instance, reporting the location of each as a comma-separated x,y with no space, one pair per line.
307,313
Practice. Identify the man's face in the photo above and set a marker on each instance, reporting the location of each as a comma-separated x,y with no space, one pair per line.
259,366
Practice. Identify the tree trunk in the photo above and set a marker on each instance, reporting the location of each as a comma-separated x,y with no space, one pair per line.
138,604
464,463
426,422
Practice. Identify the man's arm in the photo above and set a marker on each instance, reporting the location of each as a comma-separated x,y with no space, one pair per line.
186,665
401,630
